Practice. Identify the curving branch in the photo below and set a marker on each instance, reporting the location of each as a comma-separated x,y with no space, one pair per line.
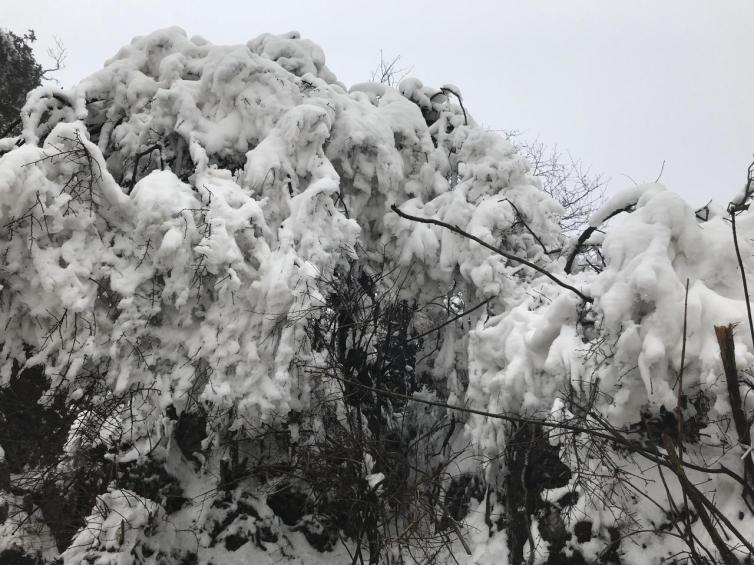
587,233
734,208
447,91
505,254
137,158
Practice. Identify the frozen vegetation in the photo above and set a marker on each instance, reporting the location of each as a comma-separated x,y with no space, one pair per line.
222,344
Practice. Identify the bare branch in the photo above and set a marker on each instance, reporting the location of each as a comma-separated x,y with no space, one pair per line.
387,72
58,54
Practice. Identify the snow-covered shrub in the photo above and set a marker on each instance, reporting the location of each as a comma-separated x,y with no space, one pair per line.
201,257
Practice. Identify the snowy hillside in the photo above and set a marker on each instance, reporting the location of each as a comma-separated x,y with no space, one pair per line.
253,315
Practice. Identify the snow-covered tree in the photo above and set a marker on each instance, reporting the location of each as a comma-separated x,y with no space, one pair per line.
19,73
269,312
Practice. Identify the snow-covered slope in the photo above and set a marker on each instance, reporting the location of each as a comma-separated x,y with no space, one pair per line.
174,225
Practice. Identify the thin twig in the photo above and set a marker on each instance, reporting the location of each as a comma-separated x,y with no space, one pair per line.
451,320
662,170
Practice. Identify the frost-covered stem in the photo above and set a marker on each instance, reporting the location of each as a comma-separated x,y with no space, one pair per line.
505,254
587,233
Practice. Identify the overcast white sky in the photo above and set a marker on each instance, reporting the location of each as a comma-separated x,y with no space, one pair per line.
621,85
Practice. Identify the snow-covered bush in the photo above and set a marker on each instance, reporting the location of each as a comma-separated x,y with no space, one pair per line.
230,268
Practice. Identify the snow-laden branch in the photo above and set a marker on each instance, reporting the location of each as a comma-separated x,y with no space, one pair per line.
505,254
623,201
